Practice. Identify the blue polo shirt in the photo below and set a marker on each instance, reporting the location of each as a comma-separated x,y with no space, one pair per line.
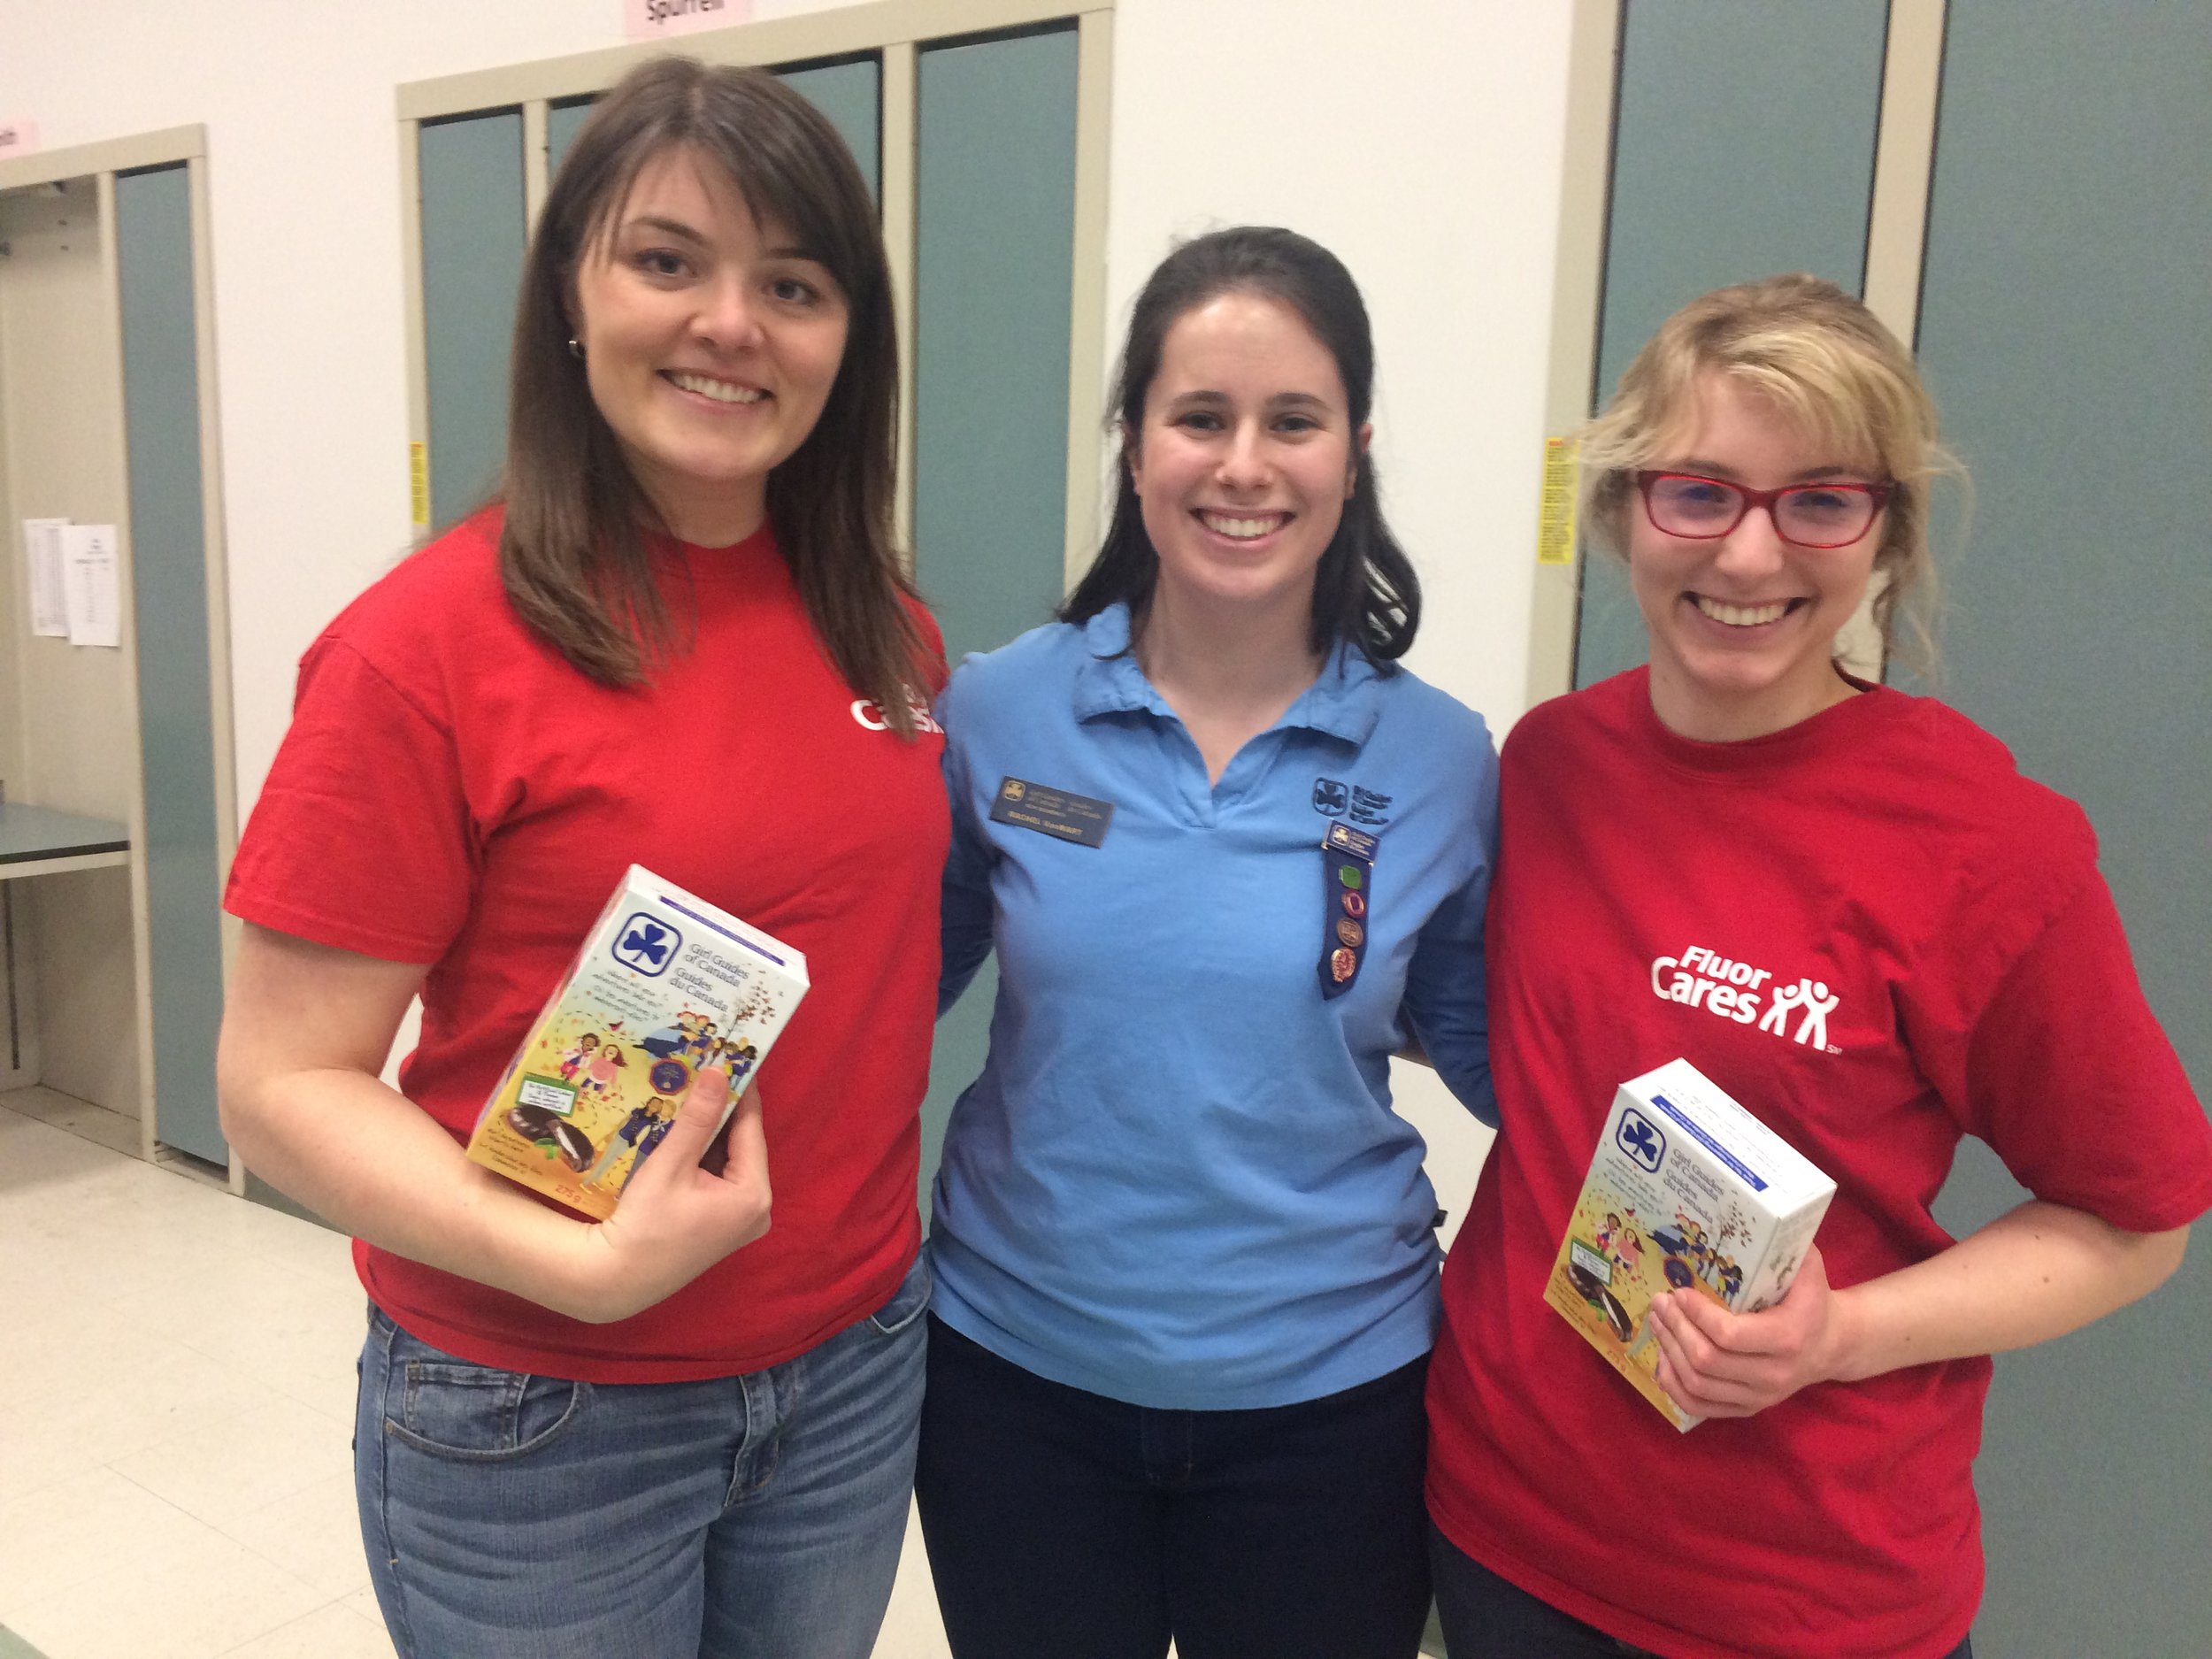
1179,1181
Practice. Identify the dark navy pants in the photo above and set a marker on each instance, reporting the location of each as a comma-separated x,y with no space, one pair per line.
1066,1523
1486,1617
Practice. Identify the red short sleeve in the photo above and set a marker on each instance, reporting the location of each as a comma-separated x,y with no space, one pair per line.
2071,1079
361,838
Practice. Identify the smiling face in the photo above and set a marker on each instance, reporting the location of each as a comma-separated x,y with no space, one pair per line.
711,343
1743,627
1245,458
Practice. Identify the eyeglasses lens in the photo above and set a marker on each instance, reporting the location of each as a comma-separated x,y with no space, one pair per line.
1813,515
1823,518
1693,506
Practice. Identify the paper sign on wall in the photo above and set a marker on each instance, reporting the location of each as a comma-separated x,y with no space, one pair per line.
657,19
18,138
92,584
41,552
1556,522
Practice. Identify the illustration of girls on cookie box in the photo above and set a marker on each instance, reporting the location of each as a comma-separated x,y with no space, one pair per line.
665,985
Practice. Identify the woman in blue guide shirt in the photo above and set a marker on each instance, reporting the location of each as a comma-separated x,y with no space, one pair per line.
1231,856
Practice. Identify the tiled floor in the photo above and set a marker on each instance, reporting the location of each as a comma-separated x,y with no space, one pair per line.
176,1394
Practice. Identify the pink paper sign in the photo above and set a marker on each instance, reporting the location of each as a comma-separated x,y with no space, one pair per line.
18,138
657,19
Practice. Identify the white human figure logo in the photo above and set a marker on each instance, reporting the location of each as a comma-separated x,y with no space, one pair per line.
1813,996
1778,1015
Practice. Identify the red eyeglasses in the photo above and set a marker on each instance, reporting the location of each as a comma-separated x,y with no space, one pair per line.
1702,509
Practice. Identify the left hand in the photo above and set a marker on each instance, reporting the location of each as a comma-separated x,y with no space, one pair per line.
677,1219
1721,1365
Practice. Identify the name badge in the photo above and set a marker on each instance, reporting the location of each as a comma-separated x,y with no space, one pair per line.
1063,816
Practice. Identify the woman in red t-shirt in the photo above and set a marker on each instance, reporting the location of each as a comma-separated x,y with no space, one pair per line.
679,1431
1846,908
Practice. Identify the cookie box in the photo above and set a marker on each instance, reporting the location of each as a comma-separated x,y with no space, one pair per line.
665,985
1688,1191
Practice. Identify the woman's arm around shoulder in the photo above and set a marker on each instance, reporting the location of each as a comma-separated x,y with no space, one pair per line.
306,1028
1447,995
964,916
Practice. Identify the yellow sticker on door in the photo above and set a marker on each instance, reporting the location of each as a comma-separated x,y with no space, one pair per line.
1556,522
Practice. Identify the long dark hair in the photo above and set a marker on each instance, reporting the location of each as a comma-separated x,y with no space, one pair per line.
1365,589
573,553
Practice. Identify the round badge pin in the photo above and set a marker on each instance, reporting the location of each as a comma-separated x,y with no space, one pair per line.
1354,906
1350,931
1343,964
1350,876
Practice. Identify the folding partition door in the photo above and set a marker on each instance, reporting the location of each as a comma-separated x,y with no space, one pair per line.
181,848
2066,331
1744,147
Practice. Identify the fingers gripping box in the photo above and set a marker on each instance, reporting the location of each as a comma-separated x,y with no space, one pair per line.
665,985
1688,1191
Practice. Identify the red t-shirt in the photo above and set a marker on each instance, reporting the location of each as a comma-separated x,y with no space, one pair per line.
1888,850
452,792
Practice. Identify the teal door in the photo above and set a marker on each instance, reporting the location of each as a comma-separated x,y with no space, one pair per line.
994,262
161,402
2066,330
473,240
1744,147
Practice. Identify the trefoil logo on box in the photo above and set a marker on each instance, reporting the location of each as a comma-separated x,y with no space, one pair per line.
646,945
1642,1139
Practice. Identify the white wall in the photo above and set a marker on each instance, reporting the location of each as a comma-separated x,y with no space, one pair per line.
1421,142
1420,139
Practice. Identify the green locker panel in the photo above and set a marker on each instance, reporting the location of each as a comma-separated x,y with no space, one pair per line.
994,263
2066,332
1744,146
153,222
850,95
995,165
562,121
471,267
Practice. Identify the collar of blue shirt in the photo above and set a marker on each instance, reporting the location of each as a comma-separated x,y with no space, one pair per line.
1345,702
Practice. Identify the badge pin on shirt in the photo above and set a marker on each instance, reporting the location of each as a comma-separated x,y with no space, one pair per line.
1347,883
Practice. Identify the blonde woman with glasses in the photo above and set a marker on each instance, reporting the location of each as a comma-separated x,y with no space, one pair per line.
1946,961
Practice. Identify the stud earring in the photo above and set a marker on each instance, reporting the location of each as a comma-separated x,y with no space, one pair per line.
575,349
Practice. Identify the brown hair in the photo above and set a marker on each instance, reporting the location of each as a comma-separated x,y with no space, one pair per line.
573,553
1827,361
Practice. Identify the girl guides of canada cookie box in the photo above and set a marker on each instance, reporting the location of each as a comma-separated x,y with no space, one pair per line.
665,985
1688,1191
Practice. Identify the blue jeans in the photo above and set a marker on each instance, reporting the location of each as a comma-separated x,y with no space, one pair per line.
756,1516
1062,1525
1486,1617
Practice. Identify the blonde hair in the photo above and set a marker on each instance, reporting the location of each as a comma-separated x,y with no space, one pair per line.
1829,365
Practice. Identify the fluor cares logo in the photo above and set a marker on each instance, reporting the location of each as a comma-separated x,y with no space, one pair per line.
868,715
1732,989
